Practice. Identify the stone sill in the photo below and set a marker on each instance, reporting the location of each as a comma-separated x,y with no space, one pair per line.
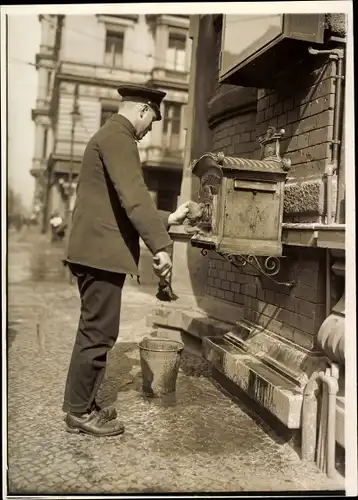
199,317
330,236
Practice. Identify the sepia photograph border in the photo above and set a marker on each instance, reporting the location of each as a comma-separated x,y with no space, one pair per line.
201,8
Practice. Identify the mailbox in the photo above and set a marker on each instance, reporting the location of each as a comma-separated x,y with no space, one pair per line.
242,200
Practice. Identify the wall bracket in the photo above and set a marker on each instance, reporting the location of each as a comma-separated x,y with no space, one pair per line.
271,265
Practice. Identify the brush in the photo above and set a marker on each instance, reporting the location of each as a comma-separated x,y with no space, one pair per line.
165,292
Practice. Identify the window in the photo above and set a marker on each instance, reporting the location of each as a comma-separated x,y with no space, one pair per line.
250,44
171,126
114,49
176,51
106,113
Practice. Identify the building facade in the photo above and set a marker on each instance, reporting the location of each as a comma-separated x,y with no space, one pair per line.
267,338
81,62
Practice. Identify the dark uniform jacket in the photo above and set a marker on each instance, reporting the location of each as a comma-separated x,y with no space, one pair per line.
113,206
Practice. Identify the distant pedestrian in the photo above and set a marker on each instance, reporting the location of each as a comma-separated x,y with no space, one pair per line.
57,226
34,219
18,222
113,209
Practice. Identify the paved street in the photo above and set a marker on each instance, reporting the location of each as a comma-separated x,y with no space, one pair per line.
202,441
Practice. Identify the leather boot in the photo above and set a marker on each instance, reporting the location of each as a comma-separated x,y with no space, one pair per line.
111,410
95,423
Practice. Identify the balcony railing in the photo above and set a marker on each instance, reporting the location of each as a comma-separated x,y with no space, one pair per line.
63,147
42,107
170,76
96,72
115,75
161,157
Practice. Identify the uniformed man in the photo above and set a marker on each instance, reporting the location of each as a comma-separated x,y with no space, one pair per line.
113,209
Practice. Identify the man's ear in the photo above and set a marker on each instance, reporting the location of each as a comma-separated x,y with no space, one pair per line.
144,109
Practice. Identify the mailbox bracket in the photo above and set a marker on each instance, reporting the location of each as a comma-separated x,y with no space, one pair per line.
271,266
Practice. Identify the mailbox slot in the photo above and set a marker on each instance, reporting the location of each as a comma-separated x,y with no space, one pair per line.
201,243
255,185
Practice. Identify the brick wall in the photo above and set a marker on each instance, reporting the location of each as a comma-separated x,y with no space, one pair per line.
294,313
304,109
236,135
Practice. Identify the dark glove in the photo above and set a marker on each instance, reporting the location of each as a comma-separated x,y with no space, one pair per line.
165,292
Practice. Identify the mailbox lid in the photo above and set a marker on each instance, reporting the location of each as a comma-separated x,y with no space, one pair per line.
249,165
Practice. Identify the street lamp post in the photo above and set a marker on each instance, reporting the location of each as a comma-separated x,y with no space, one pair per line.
75,113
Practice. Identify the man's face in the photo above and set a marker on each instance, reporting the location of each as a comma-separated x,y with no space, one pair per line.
146,117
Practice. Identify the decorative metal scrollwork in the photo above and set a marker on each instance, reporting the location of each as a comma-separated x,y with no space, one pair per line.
204,252
272,265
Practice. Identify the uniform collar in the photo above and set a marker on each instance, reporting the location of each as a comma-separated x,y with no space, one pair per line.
124,121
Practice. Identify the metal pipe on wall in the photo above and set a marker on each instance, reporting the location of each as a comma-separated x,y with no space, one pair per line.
309,422
309,419
338,118
336,55
328,283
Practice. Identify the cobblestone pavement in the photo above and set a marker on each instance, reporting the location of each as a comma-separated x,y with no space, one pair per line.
201,441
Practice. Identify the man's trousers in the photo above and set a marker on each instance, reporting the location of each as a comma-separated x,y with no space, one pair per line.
97,332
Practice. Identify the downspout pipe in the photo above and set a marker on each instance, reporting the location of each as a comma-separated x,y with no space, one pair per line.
336,55
328,283
309,419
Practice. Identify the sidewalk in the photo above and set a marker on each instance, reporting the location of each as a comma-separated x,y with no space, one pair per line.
203,441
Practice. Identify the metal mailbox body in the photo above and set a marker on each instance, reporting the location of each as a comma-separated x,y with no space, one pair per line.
243,202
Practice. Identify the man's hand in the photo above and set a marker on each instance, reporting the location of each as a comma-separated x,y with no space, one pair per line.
179,215
162,264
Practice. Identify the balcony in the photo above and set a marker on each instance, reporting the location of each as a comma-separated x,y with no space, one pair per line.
165,77
99,75
42,107
46,52
39,166
63,164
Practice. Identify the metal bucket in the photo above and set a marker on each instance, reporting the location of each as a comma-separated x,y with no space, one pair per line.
160,360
